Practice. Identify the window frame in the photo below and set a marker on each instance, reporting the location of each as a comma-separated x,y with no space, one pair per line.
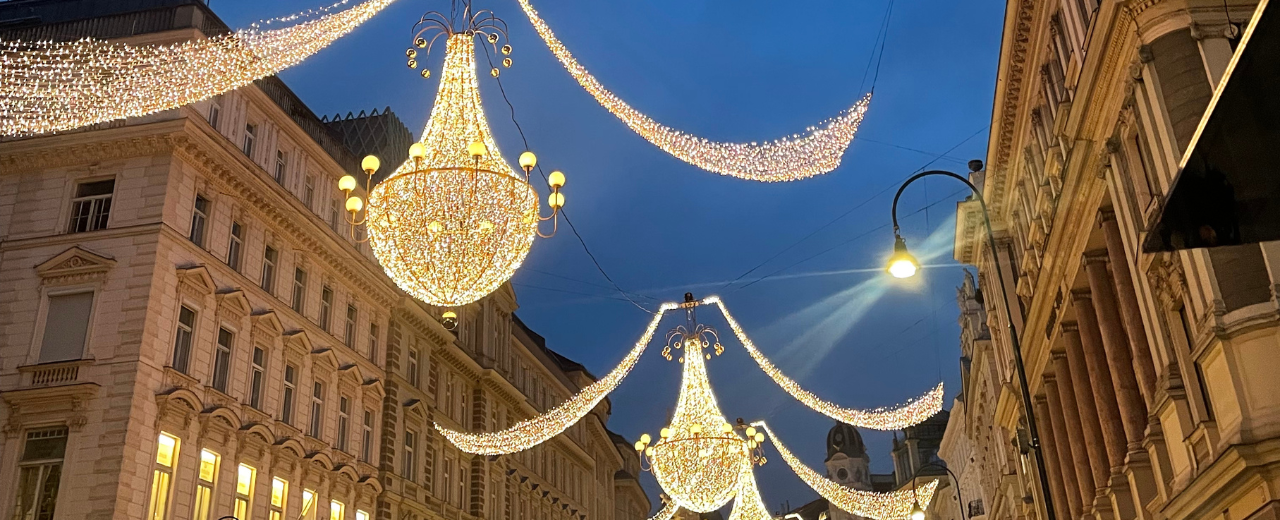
159,507
282,167
43,467
373,342
191,335
93,217
351,325
316,429
206,489
38,343
325,318
270,263
289,393
298,302
235,246
249,140
220,378
198,231
366,437
257,376
344,423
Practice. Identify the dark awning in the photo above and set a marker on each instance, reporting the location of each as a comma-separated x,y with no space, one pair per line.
1227,191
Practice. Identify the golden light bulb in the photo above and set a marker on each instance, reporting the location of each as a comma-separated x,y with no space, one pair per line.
648,452
555,200
528,160
370,164
347,183
645,438
417,150
639,446
665,433
476,149
556,179
354,204
726,428
759,438
695,429
902,264
751,431
917,513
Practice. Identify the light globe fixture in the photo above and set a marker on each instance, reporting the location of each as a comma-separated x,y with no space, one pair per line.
455,221
902,264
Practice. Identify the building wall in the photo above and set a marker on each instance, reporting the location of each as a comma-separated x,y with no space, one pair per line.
1151,387
318,308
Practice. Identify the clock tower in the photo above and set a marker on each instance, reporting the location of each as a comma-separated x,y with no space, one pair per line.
847,463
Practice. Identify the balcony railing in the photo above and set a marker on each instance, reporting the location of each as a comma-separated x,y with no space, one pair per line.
52,374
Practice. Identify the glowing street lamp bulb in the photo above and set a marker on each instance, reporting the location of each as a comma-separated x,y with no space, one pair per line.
917,513
354,204
555,200
759,438
417,150
645,438
902,264
370,163
695,429
751,431
726,428
476,149
347,183
665,433
556,179
639,446
528,160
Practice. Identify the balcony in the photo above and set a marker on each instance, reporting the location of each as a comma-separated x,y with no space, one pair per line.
52,374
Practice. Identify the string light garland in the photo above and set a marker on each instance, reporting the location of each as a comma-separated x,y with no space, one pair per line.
912,413
884,506
48,86
668,510
455,221
531,432
799,156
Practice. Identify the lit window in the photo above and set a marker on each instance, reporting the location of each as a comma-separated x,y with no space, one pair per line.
222,360
245,476
337,511
236,247
162,476
257,378
362,514
250,135
269,258
39,473
182,340
66,327
279,498
208,478
308,505
199,216
91,207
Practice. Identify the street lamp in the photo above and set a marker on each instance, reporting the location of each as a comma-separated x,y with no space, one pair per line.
917,512
903,265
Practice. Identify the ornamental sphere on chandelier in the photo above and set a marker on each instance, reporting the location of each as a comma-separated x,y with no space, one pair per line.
455,221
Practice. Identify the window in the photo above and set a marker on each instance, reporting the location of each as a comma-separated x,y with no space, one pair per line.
208,478
256,379
182,340
66,327
215,111
279,498
162,476
411,372
333,214
236,246
290,386
309,192
299,289
366,437
447,483
344,421
317,409
282,164
326,306
91,207
269,258
410,459
337,510
222,360
39,473
199,216
308,504
373,343
362,514
245,477
250,135
349,334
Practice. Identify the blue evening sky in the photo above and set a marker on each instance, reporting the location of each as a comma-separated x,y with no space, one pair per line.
732,71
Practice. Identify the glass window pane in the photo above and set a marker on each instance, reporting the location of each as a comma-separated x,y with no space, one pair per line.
166,449
66,327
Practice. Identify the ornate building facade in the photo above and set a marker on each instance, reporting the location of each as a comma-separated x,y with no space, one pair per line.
190,329
1150,373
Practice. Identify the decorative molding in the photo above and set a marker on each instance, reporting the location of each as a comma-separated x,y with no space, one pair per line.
74,266
233,305
195,282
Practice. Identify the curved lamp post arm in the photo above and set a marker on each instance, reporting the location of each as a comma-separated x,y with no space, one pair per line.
954,478
1014,344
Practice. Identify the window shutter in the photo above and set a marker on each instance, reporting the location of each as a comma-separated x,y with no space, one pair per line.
66,327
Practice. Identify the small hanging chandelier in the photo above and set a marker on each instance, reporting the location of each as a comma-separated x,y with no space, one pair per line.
455,221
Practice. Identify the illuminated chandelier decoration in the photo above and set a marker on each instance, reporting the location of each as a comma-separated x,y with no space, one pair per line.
48,86
701,460
455,221
799,156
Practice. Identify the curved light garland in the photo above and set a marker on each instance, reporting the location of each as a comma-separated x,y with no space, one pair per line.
912,413
48,86
698,459
668,511
531,432
799,156
884,506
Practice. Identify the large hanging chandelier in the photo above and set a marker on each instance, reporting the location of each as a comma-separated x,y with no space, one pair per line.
701,460
455,221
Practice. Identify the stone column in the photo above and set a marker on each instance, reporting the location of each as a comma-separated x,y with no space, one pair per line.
1053,414
1104,394
1129,309
1074,445
1087,413
1053,466
1133,410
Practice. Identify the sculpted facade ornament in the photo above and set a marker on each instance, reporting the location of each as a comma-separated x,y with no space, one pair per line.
74,266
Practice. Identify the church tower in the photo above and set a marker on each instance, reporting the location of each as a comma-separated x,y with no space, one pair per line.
847,463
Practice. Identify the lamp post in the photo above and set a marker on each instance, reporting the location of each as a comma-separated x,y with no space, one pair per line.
917,512
903,265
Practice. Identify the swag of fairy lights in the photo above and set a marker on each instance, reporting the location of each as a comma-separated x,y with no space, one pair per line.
48,86
700,459
817,151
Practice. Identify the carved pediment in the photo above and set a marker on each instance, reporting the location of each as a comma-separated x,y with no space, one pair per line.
266,325
195,281
232,304
325,356
75,265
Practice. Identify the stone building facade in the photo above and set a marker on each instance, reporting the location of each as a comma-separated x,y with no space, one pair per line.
190,329
1151,374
